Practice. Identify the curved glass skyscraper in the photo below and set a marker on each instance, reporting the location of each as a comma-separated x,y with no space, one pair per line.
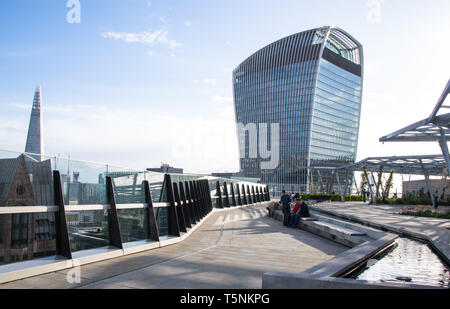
309,85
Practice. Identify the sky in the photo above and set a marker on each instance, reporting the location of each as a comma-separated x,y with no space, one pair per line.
136,83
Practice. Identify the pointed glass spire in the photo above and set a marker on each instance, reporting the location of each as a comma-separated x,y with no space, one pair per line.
34,138
37,97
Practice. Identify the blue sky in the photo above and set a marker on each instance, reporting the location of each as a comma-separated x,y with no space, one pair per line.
139,82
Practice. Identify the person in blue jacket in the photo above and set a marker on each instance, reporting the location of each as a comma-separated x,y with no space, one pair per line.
286,207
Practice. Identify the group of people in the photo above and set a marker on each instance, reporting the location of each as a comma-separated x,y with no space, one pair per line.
291,216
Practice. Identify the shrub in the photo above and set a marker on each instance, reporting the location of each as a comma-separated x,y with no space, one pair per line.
331,197
411,201
427,213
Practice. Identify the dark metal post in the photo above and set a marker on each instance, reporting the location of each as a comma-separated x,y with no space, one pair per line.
199,199
244,195
152,229
233,196
239,197
193,195
249,195
62,234
225,193
208,195
218,196
115,238
201,187
186,207
268,193
180,213
254,195
174,228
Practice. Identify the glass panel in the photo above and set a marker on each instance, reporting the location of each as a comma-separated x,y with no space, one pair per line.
162,220
156,182
87,229
26,236
83,182
133,224
128,185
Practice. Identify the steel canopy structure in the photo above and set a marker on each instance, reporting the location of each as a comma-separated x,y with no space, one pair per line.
432,165
432,128
435,128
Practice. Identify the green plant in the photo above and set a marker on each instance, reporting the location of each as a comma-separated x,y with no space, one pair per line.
331,197
427,213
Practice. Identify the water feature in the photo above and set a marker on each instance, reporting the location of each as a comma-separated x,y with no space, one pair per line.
407,261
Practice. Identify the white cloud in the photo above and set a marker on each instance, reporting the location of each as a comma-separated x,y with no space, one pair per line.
221,100
188,23
206,81
125,138
145,37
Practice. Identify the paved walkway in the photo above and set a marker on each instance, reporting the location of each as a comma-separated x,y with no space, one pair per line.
232,249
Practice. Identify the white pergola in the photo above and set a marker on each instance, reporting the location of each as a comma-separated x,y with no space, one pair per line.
427,165
435,128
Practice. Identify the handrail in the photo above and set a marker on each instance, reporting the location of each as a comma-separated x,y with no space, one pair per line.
27,209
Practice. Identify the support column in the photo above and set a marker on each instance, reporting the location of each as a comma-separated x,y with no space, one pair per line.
115,238
219,203
239,197
233,196
203,196
186,206
208,195
340,187
172,217
358,192
444,148
180,212
201,199
152,226
249,195
254,195
225,193
244,196
441,190
427,181
61,231
193,196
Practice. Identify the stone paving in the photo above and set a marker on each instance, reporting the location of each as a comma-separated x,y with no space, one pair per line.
232,250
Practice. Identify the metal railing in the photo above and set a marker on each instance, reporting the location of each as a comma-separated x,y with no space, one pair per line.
61,228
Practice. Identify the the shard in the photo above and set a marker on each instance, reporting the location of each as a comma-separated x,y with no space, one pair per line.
34,139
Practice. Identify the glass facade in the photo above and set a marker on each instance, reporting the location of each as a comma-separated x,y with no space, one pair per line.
310,84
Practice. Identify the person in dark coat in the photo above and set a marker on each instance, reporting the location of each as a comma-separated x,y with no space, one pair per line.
300,210
286,207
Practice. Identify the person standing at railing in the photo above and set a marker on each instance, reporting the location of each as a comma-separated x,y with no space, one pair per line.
286,207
